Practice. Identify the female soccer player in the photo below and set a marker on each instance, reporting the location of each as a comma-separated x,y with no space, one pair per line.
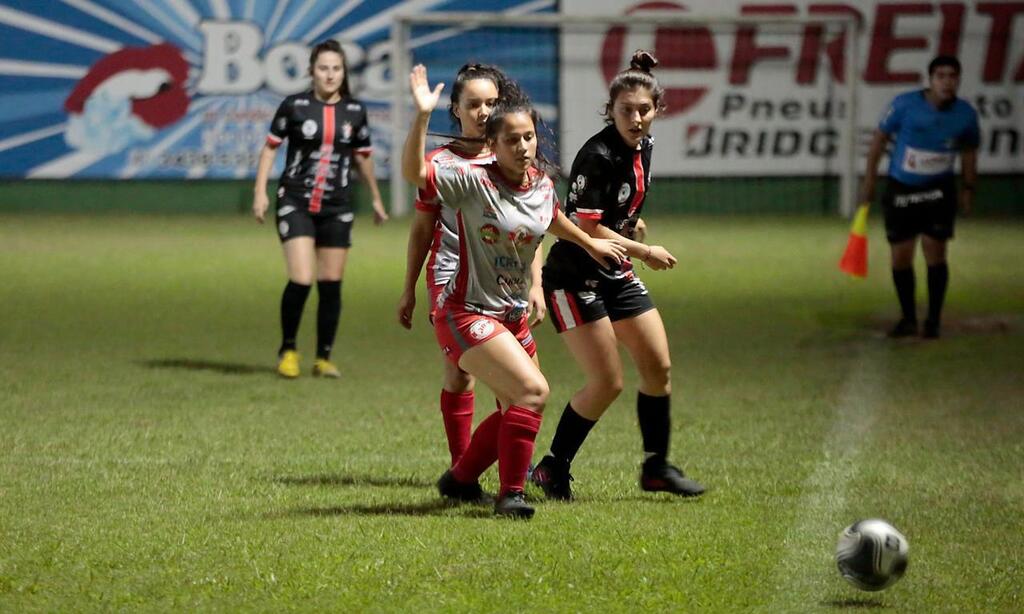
593,307
327,132
477,89
503,209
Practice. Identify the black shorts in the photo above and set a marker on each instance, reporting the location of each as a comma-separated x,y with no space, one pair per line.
912,210
328,229
617,299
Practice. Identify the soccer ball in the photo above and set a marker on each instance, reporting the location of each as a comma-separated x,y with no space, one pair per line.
871,554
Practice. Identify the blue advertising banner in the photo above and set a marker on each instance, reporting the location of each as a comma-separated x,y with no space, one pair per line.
187,88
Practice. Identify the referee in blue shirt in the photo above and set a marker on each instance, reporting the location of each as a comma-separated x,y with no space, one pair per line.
929,128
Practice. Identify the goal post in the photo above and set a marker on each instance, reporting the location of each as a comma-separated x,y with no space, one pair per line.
740,125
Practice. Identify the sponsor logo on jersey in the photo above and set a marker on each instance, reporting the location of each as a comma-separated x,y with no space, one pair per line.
309,128
507,262
511,284
352,106
924,162
489,233
481,329
520,236
516,313
624,193
346,132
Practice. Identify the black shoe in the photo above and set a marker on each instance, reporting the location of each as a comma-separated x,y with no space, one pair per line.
450,488
552,475
903,328
513,505
930,330
663,477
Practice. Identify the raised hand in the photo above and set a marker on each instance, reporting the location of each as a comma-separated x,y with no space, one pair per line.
425,99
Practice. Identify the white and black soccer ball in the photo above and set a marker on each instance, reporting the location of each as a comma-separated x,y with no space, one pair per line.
872,554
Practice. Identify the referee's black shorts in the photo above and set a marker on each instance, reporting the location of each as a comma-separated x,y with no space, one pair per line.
329,228
912,210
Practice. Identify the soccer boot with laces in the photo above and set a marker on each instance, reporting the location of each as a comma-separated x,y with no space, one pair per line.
288,364
513,505
325,368
659,476
553,477
450,488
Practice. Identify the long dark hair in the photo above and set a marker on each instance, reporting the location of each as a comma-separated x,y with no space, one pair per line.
520,103
637,75
507,88
333,46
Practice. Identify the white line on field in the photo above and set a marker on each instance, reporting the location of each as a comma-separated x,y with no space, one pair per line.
809,545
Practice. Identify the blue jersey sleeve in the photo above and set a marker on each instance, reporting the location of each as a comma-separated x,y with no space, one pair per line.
892,118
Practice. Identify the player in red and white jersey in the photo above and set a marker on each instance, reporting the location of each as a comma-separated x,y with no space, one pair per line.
433,236
327,134
504,208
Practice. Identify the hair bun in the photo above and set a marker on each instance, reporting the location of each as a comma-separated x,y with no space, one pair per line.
643,61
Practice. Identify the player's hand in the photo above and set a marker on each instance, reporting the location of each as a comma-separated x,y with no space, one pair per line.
260,202
536,309
606,251
640,230
380,215
966,201
422,95
659,258
406,305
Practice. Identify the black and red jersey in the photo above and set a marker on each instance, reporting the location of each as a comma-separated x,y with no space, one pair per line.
608,183
322,139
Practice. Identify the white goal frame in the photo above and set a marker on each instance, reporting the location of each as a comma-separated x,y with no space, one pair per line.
401,65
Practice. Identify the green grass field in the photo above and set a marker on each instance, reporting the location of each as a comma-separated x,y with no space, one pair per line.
151,460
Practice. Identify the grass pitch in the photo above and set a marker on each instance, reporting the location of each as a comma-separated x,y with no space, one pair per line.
150,459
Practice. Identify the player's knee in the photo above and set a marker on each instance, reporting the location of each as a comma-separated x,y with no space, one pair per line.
458,381
606,387
658,376
534,394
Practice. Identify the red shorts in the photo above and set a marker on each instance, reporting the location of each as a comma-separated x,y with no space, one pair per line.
433,291
457,331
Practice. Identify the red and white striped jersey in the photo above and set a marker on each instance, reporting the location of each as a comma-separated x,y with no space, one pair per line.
499,228
443,259
322,138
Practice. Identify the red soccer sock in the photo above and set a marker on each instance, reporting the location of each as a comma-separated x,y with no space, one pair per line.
457,411
519,427
482,451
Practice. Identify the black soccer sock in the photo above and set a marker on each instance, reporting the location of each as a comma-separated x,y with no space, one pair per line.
903,279
572,431
938,279
292,301
328,312
655,425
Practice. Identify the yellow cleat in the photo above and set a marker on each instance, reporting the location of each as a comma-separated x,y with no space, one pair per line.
288,366
325,368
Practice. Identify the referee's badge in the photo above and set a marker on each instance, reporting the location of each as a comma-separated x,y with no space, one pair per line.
309,128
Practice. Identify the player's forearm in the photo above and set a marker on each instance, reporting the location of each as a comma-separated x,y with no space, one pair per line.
414,168
634,249
562,228
969,167
367,170
875,152
420,235
536,268
266,162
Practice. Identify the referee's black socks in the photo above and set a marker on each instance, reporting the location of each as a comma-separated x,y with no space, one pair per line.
655,424
903,279
938,279
292,301
328,312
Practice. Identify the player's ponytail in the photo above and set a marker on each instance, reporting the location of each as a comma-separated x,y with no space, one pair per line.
637,75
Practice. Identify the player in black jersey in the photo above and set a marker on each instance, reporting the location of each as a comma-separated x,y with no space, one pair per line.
327,134
593,308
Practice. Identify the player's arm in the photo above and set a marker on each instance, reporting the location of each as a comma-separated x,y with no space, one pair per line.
969,174
878,143
536,309
421,233
260,202
600,249
414,167
364,161
654,256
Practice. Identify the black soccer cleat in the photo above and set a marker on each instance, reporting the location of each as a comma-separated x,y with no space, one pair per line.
450,488
903,328
553,477
513,505
930,330
663,477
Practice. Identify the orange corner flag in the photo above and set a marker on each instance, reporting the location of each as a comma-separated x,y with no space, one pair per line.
855,258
